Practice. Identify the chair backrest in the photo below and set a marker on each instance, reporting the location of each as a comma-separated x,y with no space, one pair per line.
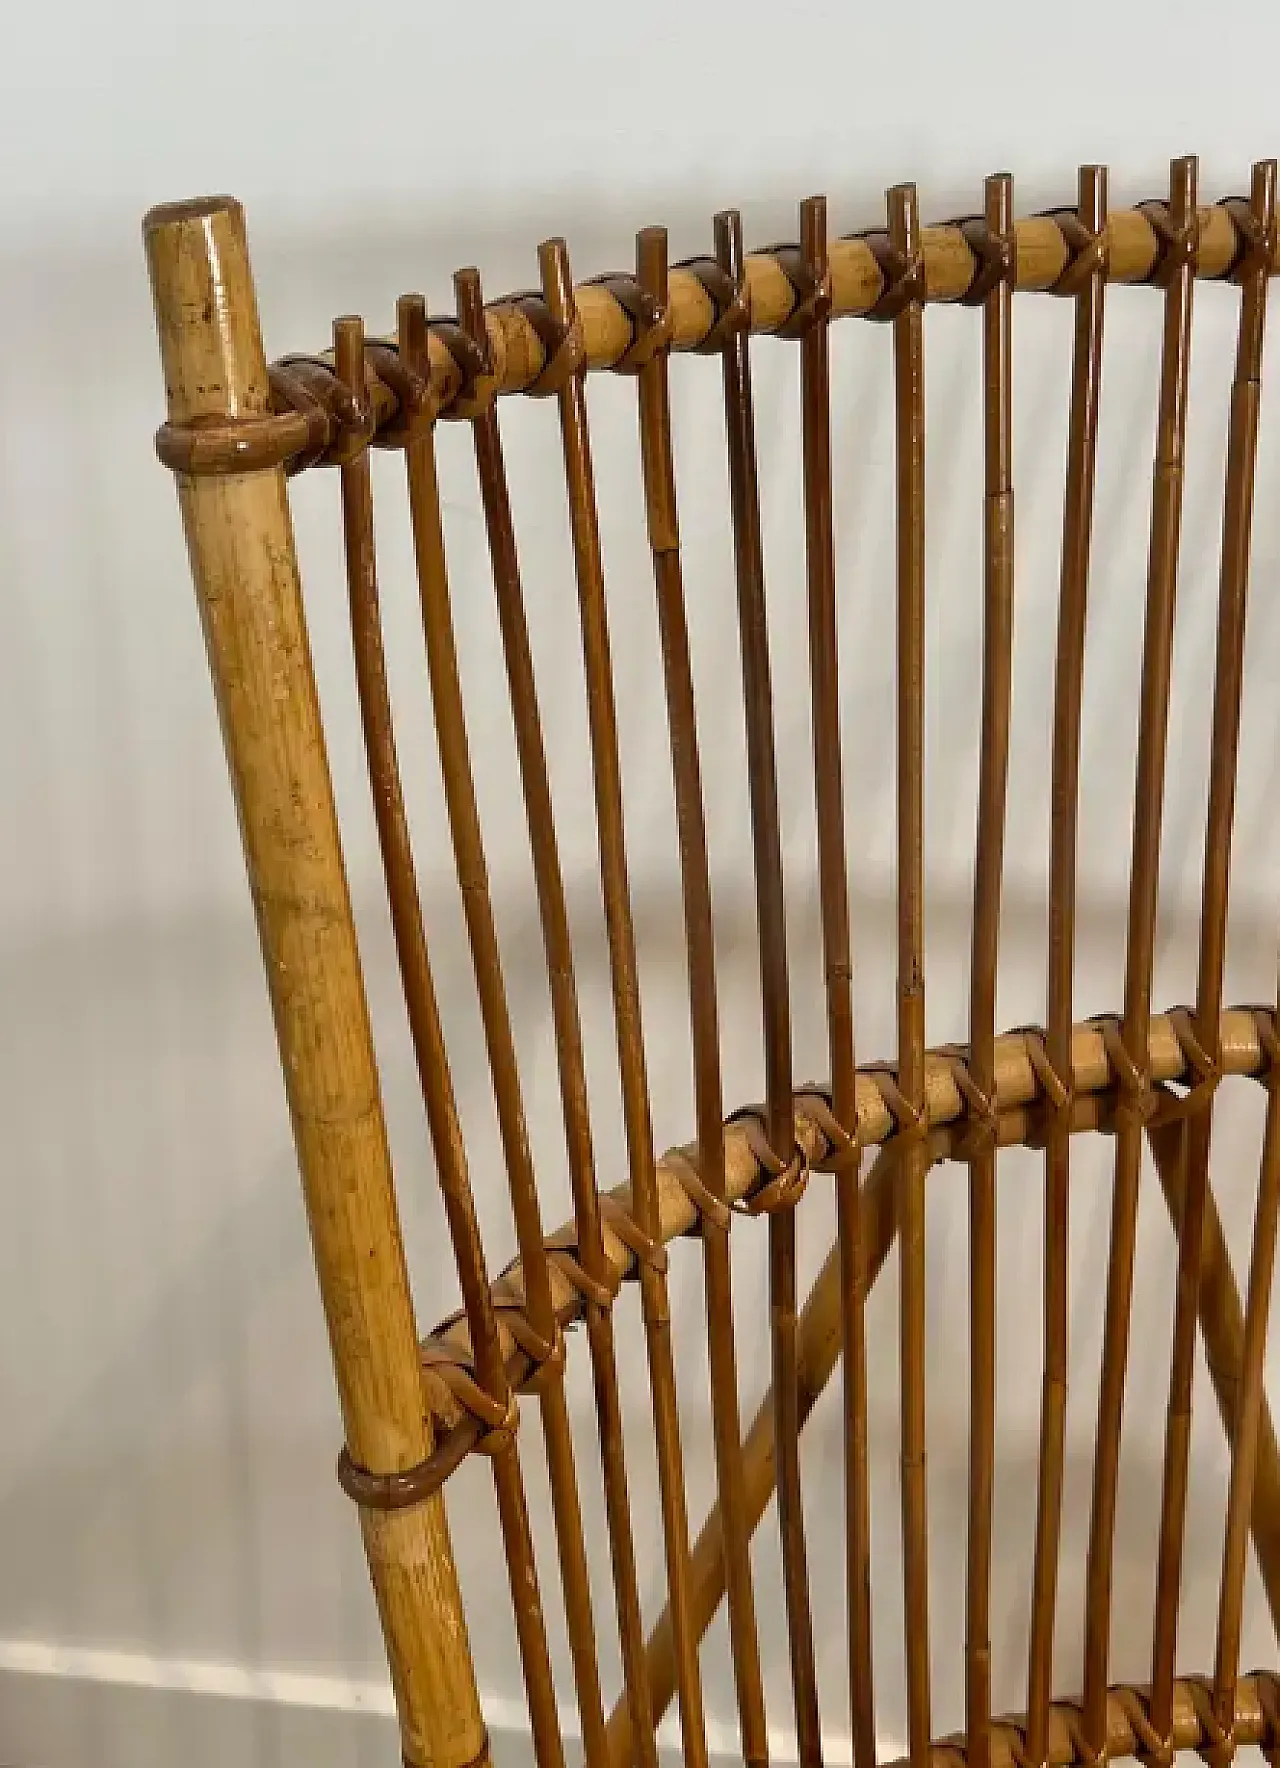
413,1412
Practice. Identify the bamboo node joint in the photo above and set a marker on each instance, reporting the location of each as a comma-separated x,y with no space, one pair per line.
650,320
1138,1100
1087,253
844,1147
996,256
340,421
981,1123
786,1181
1255,236
1203,1066
729,300
562,342
903,276
811,285
1176,245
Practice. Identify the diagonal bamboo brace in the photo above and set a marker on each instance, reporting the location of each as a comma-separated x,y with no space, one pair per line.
1222,1327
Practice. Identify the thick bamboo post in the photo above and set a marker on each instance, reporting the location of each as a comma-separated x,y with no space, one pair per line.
240,540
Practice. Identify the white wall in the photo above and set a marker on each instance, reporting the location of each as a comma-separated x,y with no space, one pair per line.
168,1515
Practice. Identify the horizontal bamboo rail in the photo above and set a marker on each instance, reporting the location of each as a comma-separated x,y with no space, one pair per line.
1017,1096
518,355
1128,1732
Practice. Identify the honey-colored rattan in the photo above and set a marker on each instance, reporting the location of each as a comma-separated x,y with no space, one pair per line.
414,1410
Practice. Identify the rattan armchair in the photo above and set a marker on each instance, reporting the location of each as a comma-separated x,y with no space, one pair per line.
413,1411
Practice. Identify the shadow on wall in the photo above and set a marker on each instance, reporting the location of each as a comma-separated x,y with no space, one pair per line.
167,1487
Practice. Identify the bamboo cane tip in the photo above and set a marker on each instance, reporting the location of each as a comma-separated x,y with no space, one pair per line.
1182,188
998,203
348,350
557,279
902,203
553,253
197,208
468,294
651,252
652,271
727,231
206,312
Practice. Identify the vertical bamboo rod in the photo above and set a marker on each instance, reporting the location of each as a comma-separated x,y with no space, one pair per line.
1086,373
833,883
1249,1419
1144,876
1242,450
1177,1443
468,846
427,1035
821,1346
664,540
758,703
407,925
997,672
908,370
753,634
855,1280
464,822
1242,437
1242,443
557,287
240,540
549,881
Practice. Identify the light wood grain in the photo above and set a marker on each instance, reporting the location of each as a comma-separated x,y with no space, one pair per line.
242,555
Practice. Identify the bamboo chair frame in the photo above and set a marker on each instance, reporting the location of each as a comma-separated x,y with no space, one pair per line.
413,1409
